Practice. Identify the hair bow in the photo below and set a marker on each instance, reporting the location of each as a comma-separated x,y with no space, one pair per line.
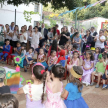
42,71
87,46
80,79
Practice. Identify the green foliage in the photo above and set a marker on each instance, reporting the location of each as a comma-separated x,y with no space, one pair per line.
27,15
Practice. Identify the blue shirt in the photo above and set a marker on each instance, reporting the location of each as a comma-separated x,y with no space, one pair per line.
79,36
29,55
7,49
73,91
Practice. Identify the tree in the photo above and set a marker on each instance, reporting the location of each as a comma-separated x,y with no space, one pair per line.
56,4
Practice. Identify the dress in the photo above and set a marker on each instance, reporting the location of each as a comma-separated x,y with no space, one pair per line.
74,63
74,98
86,77
54,99
95,59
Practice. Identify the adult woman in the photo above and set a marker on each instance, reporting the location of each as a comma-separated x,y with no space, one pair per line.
72,31
65,36
36,36
8,34
99,40
77,40
15,36
23,36
87,39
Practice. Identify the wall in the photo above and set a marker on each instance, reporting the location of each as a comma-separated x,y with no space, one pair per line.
7,14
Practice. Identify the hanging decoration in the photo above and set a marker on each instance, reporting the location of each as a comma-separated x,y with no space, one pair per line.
84,7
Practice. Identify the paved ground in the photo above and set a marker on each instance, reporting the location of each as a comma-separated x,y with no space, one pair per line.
95,98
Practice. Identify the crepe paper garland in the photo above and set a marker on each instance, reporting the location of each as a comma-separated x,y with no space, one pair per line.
22,79
29,81
17,60
8,75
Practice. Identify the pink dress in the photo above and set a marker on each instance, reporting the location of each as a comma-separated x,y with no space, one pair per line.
74,63
54,99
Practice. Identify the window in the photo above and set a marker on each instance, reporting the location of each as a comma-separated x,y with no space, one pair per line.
36,7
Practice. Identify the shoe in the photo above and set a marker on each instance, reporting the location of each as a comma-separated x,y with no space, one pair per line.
92,84
25,70
97,86
104,86
87,85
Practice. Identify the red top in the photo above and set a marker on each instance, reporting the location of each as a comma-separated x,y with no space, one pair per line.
106,67
58,32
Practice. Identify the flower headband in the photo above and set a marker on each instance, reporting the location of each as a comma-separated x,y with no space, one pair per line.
42,71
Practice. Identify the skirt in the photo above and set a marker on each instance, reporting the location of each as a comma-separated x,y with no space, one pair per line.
44,64
78,103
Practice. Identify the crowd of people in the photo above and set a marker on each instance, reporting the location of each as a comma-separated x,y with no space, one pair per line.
79,54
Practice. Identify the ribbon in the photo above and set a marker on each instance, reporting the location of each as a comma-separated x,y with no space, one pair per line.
80,79
42,71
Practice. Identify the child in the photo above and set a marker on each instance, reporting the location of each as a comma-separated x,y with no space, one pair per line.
93,50
73,89
96,54
3,88
8,101
17,52
23,53
100,69
52,60
88,68
62,59
69,48
28,58
74,61
54,88
35,92
75,47
42,58
47,48
6,50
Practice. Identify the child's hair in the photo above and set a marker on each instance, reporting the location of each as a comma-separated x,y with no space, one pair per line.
74,80
98,49
91,54
37,71
8,99
42,49
7,40
75,46
18,42
23,45
58,71
76,33
104,56
52,51
49,29
76,52
32,49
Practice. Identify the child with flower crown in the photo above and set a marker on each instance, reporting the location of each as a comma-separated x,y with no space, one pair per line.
35,92
73,89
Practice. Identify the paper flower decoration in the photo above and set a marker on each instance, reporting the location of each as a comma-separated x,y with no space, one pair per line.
21,79
8,75
17,60
29,81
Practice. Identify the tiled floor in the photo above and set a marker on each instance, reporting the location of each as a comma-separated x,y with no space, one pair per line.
95,98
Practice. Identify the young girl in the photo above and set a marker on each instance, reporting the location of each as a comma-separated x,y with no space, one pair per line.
52,60
35,92
96,54
54,88
88,68
73,89
69,48
8,101
42,58
23,53
74,61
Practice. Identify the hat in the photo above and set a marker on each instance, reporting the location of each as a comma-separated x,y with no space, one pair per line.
74,74
2,73
93,48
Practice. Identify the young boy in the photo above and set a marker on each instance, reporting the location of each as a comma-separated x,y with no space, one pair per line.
28,58
100,69
3,88
6,49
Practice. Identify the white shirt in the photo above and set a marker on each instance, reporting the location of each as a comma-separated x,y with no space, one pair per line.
35,37
22,37
7,35
42,32
98,43
36,91
15,38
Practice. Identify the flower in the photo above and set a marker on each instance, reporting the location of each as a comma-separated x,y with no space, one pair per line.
17,59
29,81
8,75
21,79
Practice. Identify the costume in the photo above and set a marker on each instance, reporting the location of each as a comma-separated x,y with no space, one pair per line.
6,50
95,58
87,73
54,99
62,59
74,99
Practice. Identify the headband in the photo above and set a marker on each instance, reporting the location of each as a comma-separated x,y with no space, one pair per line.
74,74
42,71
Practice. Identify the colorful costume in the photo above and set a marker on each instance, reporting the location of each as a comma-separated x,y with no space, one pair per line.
86,77
54,99
95,59
6,50
41,58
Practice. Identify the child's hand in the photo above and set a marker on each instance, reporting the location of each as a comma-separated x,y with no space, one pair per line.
1,47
